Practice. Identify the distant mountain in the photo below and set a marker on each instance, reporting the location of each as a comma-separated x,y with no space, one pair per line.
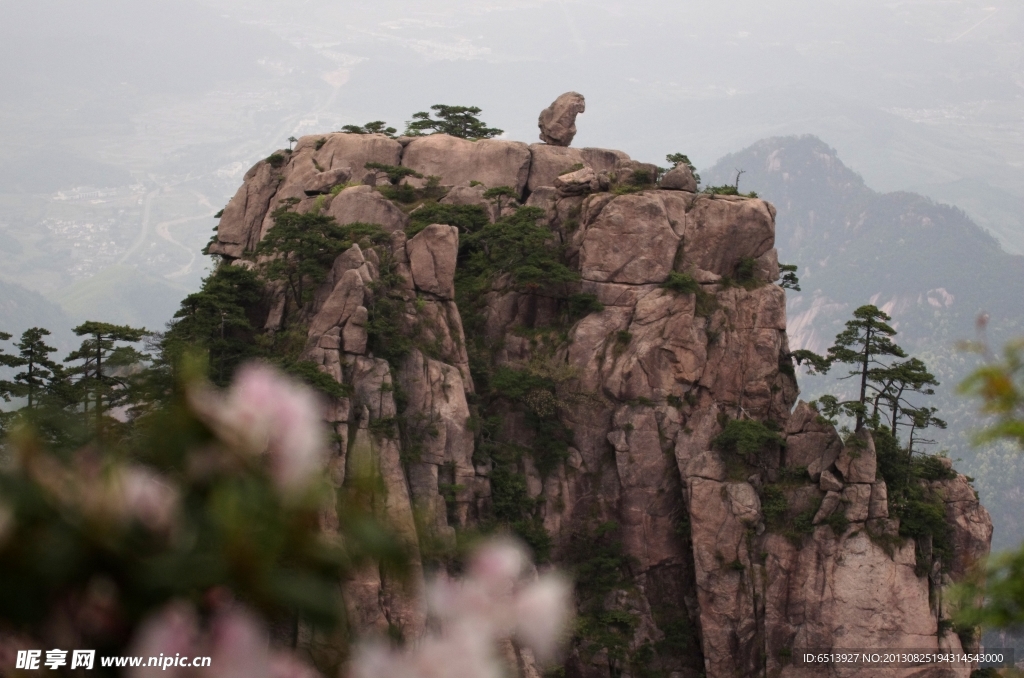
926,264
123,295
21,308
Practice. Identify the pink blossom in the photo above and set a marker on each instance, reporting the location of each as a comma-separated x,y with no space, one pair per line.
171,631
267,412
149,498
498,563
542,610
474,615
239,644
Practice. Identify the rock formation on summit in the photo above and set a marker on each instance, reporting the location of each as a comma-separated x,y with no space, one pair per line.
558,121
599,416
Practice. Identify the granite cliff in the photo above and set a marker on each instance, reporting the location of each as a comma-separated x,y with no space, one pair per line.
637,422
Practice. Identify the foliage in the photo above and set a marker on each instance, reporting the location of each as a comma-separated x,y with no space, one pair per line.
789,280
517,246
773,506
276,160
217,320
457,121
1000,584
33,354
512,506
536,390
863,344
467,218
106,358
583,304
600,566
375,127
838,521
749,439
921,511
816,364
1000,385
676,159
188,508
501,196
386,334
728,189
395,173
301,248
681,283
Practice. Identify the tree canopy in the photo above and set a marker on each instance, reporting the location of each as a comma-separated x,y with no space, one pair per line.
458,121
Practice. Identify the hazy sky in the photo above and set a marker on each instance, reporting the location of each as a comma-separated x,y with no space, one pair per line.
167,102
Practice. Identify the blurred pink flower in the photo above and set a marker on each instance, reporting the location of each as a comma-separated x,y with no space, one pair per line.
542,612
476,613
237,643
173,630
267,412
148,498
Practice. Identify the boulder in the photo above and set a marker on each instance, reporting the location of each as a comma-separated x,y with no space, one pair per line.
829,483
459,161
720,233
766,266
432,253
548,162
579,182
879,507
362,204
813,450
341,149
603,159
828,506
557,122
240,225
858,461
857,498
630,241
343,301
323,182
679,178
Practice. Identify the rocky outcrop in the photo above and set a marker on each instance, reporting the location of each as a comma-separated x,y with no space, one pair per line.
679,178
558,121
456,161
716,562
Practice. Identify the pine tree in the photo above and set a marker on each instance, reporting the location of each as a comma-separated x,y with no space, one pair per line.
104,377
866,339
458,121
8,388
375,127
215,320
500,197
39,369
301,248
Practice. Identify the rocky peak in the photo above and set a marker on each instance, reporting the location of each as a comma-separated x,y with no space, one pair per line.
634,421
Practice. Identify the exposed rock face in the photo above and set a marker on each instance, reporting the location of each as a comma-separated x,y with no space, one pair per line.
679,178
362,204
558,121
432,254
457,161
728,562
